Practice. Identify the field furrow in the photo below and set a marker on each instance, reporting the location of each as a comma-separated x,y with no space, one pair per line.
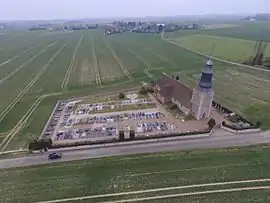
72,63
11,74
17,60
4,144
51,80
109,68
134,63
96,65
15,46
124,69
31,75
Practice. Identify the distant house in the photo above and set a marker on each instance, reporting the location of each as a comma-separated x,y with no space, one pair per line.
197,102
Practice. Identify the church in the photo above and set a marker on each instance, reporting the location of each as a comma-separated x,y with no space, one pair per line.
197,102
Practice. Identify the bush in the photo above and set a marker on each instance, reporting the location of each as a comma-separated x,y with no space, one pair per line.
151,90
121,95
40,144
211,123
143,90
258,124
173,106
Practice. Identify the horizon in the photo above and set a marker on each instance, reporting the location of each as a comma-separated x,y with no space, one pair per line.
138,17
29,10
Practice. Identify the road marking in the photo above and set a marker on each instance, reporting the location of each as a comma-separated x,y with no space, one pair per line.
96,65
72,63
191,194
29,85
2,80
161,190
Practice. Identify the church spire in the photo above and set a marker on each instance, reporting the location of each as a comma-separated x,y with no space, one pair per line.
205,83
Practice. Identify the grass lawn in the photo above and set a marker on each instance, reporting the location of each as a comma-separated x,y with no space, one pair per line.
142,172
232,49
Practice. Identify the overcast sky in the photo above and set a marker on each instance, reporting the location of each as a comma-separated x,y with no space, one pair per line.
70,9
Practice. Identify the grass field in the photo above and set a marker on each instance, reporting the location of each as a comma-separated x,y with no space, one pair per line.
233,49
244,30
139,176
37,69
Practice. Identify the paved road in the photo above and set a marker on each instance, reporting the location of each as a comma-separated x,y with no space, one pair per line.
207,142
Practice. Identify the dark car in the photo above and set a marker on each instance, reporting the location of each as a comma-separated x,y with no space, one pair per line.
55,156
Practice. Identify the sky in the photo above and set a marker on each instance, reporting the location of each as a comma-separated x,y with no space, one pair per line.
71,9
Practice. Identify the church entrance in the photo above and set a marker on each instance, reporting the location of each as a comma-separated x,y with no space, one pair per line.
204,115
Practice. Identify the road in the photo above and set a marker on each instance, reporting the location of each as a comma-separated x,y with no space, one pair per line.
206,142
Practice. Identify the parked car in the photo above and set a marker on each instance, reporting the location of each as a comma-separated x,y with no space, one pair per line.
55,156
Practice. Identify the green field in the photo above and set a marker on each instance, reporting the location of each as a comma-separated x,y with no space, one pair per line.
37,69
142,173
243,30
232,49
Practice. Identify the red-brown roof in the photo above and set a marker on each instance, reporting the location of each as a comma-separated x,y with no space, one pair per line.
170,87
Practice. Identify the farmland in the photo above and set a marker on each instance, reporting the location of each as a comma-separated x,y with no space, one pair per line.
243,30
36,70
231,43
147,175
238,50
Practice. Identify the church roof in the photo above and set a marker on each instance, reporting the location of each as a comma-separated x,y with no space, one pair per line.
170,87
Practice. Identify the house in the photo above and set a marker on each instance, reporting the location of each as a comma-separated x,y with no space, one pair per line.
197,102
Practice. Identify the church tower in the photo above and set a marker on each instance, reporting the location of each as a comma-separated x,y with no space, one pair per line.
203,94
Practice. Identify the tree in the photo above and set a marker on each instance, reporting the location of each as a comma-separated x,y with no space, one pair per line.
40,144
152,83
177,77
211,123
151,90
173,106
121,95
143,90
258,124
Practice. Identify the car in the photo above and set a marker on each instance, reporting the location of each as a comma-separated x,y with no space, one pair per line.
55,156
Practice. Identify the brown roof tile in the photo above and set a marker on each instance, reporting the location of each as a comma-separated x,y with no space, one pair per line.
170,87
